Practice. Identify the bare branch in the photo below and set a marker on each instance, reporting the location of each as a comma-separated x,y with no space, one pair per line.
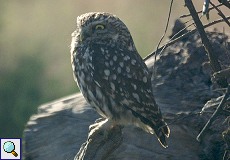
187,15
208,47
169,14
215,114
225,2
221,14
226,137
181,37
205,9
225,73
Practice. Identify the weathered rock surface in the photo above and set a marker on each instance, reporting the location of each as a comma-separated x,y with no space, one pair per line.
181,84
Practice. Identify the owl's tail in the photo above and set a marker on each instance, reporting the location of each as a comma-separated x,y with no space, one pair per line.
162,133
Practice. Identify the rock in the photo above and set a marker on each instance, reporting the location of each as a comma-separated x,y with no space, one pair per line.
178,29
58,129
182,85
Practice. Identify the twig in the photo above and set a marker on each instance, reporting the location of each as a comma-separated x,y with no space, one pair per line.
208,47
221,14
225,73
205,9
187,15
215,114
225,2
166,28
226,137
173,37
181,37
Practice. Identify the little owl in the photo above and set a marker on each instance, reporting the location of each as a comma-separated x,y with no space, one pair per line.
112,76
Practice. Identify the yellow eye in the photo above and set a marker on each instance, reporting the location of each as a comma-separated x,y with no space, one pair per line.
100,27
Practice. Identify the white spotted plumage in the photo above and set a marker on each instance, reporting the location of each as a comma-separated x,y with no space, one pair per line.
112,76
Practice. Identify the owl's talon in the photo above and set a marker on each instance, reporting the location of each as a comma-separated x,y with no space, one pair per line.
102,128
99,120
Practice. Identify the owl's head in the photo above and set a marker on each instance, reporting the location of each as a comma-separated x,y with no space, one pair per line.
101,28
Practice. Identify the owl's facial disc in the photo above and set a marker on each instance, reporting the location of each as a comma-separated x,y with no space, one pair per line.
95,31
101,28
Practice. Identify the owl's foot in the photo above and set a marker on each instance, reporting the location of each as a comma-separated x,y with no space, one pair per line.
104,137
98,123
104,127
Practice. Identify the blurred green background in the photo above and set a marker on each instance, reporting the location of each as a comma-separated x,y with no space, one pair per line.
34,48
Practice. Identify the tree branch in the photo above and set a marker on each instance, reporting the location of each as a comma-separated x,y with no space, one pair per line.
187,15
226,137
208,47
215,114
225,73
181,37
220,14
225,2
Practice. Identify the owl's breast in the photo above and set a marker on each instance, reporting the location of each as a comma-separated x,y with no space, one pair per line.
84,72
82,66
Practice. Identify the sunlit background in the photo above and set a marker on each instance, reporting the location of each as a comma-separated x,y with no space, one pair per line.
34,48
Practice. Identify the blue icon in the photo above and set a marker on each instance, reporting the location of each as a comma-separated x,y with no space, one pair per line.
9,147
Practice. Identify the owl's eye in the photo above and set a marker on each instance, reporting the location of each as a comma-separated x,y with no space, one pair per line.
99,27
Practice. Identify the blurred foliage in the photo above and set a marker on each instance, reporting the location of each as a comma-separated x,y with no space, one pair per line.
20,93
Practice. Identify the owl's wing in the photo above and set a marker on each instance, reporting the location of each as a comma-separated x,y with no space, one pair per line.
123,75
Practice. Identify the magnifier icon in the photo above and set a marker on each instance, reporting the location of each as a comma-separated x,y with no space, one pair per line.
9,147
